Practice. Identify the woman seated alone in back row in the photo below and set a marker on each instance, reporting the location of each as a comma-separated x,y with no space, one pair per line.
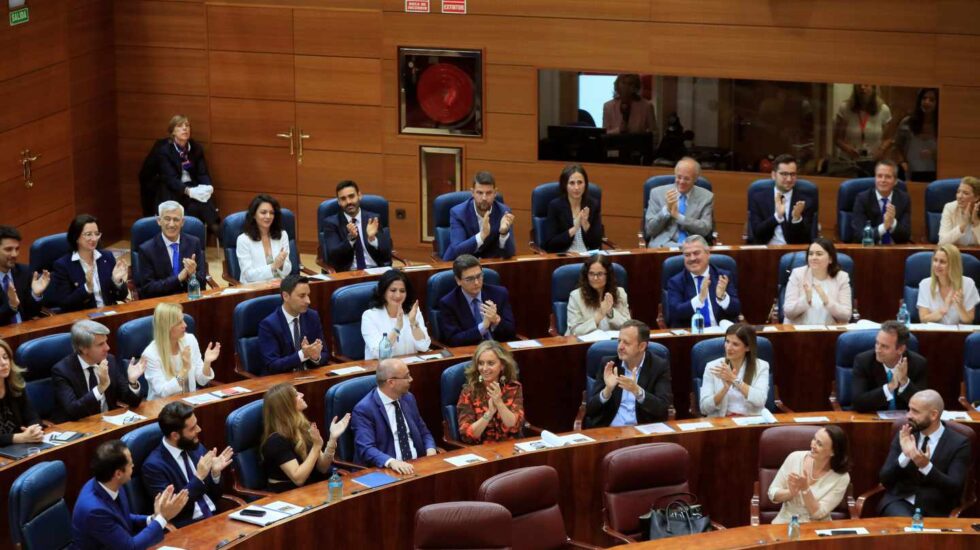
811,484
491,405
574,220
598,303
738,383
263,247
174,363
818,293
946,296
395,315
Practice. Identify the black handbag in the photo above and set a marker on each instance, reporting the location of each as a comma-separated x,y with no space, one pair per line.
681,516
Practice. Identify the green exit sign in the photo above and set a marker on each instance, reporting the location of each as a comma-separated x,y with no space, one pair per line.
19,16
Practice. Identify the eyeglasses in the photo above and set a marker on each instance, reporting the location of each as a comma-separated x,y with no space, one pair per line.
473,278
409,377
92,234
597,274
786,174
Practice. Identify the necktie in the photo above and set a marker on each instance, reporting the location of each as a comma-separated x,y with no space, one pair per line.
886,238
6,285
175,257
891,402
924,447
475,308
189,471
92,379
402,431
297,338
706,306
682,209
358,249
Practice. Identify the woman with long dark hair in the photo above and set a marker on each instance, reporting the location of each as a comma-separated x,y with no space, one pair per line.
395,315
818,293
916,141
263,247
574,220
598,303
738,383
810,484
860,127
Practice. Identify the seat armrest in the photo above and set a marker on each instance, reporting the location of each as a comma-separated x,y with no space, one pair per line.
754,505
580,416
243,373
405,263
254,493
608,243
235,500
834,404
862,501
617,535
779,402
210,282
569,543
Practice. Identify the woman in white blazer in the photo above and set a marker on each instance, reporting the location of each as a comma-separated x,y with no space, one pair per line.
174,363
598,303
960,224
263,246
738,383
818,293
394,315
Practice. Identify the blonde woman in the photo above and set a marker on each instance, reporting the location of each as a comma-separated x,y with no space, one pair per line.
960,223
173,359
491,405
292,450
18,421
946,296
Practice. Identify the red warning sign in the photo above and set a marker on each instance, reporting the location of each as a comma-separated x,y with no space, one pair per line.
417,6
454,6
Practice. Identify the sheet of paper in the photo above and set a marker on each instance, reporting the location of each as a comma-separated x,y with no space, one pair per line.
576,438
680,332
753,247
618,252
955,415
231,290
810,419
320,277
284,507
721,247
925,530
863,324
430,356
770,328
663,334
598,336
201,399
416,267
268,517
128,417
749,420
969,328
930,327
655,428
348,370
809,327
376,270
228,392
891,415
714,330
524,344
535,445
463,460
691,426
412,359
853,531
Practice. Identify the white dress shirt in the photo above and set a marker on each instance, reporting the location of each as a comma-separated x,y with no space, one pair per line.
393,425
777,235
95,388
696,302
479,237
375,323
368,260
881,226
290,319
175,453
96,284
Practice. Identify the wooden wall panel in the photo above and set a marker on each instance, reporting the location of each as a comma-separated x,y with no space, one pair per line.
347,80
130,154
340,127
252,169
322,170
251,122
34,95
513,137
306,232
145,116
52,190
89,26
511,89
956,60
94,124
402,178
406,233
572,9
41,226
252,75
958,157
93,76
958,16
248,29
49,136
39,43
341,33
162,70
164,24
959,112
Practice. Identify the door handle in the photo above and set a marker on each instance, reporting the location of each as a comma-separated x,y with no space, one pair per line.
26,159
302,136
289,135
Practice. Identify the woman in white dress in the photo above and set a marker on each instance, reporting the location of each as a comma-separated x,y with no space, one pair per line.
818,293
738,383
394,306
174,363
946,296
263,246
811,484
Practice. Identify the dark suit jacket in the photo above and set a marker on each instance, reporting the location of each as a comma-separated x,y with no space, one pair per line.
68,292
457,325
654,379
374,443
937,493
24,415
762,216
29,307
464,226
560,220
160,469
97,522
340,252
170,172
156,276
276,342
869,376
681,288
73,398
867,209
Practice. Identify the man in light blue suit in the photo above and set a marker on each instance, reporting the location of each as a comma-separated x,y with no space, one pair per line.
388,429
482,225
102,518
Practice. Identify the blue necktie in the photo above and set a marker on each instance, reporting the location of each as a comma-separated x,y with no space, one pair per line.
477,316
175,257
706,306
402,432
891,402
189,470
886,237
358,249
6,285
682,209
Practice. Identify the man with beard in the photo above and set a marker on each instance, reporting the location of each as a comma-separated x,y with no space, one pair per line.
20,299
482,225
928,462
355,238
182,461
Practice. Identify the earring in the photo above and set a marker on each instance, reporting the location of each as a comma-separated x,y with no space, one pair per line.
503,380
480,378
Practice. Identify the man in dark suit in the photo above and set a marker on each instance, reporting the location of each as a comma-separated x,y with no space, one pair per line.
701,287
102,518
634,388
388,430
474,311
355,238
291,337
928,463
886,208
182,462
169,260
90,381
20,291
887,376
780,213
482,225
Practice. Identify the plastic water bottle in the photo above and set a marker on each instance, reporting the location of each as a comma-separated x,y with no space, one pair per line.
868,237
384,347
335,488
793,530
193,288
917,521
697,322
903,313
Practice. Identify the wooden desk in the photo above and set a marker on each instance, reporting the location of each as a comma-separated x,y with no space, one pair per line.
723,467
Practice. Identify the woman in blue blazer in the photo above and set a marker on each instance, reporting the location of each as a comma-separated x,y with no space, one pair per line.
574,221
87,277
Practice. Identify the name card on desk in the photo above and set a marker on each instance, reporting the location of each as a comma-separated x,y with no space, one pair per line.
228,392
549,441
599,336
524,344
810,419
201,399
655,428
266,515
376,270
463,460
348,370
804,328
691,426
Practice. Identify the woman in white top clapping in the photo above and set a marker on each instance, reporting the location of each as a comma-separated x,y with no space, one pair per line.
811,484
818,293
263,246
394,315
738,383
947,296
173,359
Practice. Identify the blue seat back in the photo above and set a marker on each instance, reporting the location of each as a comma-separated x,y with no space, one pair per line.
938,193
564,280
141,442
849,345
848,191
40,393
659,181
971,367
443,283
145,229
40,354
245,322
706,351
605,348
47,249
243,431
341,399
441,207
804,186
540,198
451,384
133,337
231,228
39,517
330,208
791,260
347,304
918,266
675,264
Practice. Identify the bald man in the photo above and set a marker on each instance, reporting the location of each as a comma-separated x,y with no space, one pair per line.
928,462
677,211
